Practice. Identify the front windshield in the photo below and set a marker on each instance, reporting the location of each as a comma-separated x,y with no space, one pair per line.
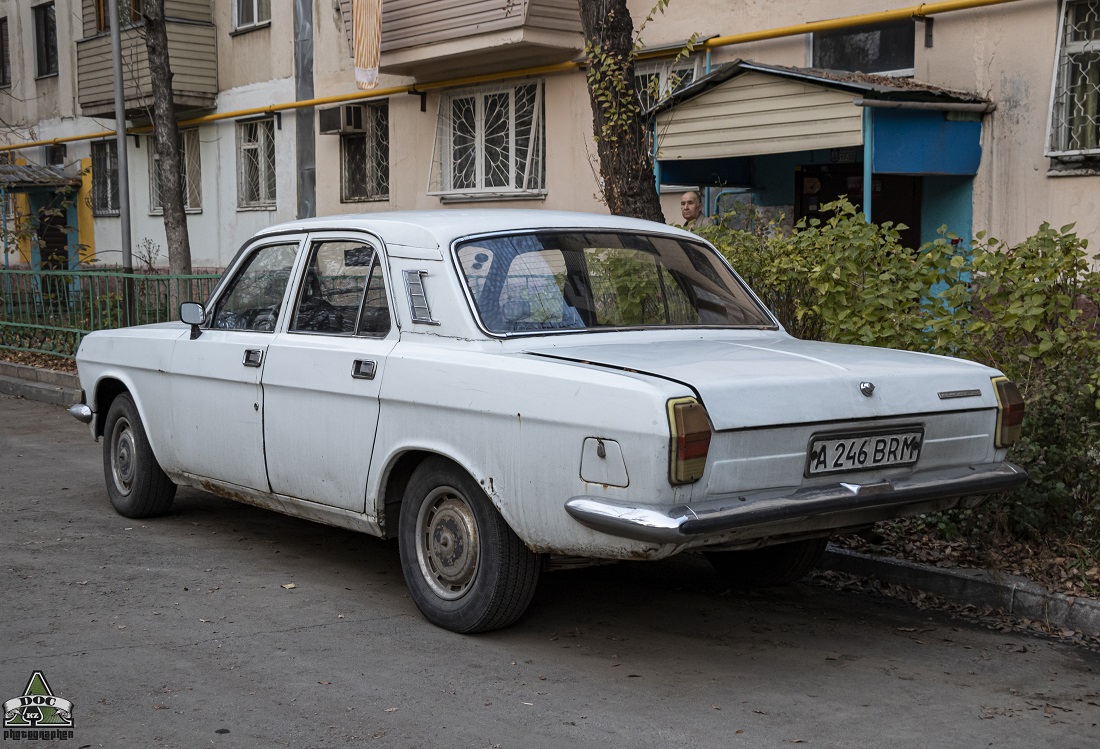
575,280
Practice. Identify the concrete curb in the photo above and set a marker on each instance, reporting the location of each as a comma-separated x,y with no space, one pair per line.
32,383
1016,596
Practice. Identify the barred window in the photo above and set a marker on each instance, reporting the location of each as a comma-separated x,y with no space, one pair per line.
657,79
105,178
5,54
365,158
490,142
1075,114
256,164
192,173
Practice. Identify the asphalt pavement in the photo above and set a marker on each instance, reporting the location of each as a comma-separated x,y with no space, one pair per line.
224,625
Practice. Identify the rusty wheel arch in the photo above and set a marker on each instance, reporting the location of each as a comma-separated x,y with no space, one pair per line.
397,480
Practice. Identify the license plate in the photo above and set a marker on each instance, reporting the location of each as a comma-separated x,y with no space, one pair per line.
835,453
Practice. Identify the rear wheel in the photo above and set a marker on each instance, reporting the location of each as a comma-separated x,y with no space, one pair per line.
770,566
465,568
136,485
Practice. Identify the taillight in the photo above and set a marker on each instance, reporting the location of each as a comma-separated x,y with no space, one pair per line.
689,428
1010,411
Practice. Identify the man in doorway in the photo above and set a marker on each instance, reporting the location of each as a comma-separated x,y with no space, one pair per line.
691,208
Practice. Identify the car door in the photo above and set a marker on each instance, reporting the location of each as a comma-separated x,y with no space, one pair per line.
217,401
322,375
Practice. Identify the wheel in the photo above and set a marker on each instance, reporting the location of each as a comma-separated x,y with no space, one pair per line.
769,566
138,488
465,568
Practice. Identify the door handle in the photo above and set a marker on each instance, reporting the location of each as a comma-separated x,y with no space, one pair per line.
363,369
253,357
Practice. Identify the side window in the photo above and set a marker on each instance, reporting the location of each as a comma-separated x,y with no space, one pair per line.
332,298
253,298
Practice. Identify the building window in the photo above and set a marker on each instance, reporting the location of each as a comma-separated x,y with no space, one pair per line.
192,173
876,48
256,164
1075,115
105,178
129,13
5,54
365,158
657,79
251,13
490,142
45,39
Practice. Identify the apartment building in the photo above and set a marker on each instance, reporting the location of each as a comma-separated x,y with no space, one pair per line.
980,118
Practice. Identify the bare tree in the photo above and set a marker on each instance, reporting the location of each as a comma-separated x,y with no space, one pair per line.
167,137
619,123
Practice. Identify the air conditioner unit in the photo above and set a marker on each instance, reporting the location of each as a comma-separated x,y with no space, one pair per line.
344,119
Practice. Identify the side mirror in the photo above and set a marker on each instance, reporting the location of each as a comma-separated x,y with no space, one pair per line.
194,315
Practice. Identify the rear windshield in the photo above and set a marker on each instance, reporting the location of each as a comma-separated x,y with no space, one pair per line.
584,281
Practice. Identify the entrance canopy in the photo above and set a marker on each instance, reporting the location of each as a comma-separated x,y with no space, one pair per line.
745,109
21,177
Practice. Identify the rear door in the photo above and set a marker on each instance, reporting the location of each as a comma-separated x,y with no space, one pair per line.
322,376
216,399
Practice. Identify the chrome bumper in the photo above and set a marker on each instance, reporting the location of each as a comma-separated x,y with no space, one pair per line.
836,506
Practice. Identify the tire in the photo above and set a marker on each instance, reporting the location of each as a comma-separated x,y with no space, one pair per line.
769,566
465,568
136,485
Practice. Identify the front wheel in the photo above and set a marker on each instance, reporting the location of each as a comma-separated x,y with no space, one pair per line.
770,566
136,485
467,571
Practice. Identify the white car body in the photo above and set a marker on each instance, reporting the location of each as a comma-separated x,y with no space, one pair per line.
567,432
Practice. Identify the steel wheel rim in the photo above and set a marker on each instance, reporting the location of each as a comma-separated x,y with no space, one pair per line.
447,545
123,456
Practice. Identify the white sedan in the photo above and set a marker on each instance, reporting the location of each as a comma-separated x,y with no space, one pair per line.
503,391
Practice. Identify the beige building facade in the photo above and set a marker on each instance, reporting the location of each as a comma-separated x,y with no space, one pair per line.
983,119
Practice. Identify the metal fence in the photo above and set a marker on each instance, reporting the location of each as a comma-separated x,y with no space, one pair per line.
49,312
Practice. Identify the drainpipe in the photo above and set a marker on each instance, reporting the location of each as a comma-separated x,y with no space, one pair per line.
304,138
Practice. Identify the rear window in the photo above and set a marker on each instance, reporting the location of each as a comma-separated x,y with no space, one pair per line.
565,281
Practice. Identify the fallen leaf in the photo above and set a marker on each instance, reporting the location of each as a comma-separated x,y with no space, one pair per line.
288,586
390,710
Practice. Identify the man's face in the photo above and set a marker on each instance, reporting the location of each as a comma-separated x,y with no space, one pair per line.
690,207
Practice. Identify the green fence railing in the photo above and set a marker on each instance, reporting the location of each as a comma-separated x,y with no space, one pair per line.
49,312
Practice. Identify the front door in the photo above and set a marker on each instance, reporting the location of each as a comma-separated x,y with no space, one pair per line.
322,375
217,400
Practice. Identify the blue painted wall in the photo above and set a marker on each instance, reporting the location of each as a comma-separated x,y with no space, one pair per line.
947,200
912,141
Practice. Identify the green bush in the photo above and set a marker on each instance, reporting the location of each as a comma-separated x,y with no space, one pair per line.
1029,310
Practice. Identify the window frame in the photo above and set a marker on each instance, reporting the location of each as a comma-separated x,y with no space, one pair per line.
108,179
665,69
190,180
376,153
5,53
309,253
1060,90
262,202
441,177
46,63
256,22
134,7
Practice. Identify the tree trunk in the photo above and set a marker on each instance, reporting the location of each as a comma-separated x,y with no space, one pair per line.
166,134
621,130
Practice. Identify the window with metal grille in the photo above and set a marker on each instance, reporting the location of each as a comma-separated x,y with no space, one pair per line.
250,13
886,48
1075,111
657,79
45,39
256,164
191,175
490,142
129,13
104,178
5,54
365,158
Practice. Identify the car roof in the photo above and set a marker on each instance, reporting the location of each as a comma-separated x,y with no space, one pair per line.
435,229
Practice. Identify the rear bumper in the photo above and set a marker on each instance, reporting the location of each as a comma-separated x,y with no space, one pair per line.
757,515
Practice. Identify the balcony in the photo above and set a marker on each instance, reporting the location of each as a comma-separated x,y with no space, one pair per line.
192,49
435,39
